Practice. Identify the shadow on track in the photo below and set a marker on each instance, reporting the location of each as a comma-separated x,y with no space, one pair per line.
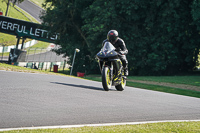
81,86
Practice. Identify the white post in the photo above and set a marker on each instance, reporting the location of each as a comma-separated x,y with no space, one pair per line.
76,50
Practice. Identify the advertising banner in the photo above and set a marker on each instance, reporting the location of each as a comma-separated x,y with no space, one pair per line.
25,29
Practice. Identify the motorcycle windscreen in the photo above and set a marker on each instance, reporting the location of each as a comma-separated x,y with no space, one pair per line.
107,48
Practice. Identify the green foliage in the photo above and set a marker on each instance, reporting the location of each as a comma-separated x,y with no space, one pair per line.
7,39
65,18
162,36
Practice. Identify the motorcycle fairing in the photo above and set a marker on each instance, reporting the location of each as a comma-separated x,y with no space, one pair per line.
108,57
108,51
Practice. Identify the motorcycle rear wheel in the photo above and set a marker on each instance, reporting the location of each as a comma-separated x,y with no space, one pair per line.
121,86
106,81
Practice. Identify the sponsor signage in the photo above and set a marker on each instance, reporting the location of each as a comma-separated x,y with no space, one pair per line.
25,29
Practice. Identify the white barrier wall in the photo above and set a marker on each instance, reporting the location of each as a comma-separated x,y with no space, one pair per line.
26,45
45,66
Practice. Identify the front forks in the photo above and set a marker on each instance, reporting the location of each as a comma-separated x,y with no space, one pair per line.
111,70
101,66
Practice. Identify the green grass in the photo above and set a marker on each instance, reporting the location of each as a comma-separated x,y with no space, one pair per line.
168,127
93,77
165,89
189,80
8,67
40,47
38,2
168,79
20,69
7,39
12,12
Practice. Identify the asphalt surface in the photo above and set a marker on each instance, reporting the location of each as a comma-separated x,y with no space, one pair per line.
29,100
31,8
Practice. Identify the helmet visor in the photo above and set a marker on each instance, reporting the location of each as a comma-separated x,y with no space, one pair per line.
112,38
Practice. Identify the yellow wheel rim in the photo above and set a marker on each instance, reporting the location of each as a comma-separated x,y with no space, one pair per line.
123,82
108,78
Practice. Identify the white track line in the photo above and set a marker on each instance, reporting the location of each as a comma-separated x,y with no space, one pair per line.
94,125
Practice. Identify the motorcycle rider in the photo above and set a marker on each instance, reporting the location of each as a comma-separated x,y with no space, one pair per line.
120,46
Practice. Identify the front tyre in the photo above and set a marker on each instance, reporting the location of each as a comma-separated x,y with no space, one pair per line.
121,86
106,81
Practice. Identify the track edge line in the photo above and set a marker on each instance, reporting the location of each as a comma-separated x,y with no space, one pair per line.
94,125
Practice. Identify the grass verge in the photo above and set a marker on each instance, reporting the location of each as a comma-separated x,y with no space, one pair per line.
7,67
40,47
165,89
38,2
178,127
172,90
15,12
184,79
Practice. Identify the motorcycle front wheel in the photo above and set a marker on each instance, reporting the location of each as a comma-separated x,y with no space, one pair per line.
106,81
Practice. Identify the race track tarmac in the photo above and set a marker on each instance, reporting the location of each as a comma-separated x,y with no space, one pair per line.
30,100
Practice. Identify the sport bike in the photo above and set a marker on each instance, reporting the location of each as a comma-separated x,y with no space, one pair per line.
111,68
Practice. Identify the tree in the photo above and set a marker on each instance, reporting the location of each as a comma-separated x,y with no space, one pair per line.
64,17
8,3
162,36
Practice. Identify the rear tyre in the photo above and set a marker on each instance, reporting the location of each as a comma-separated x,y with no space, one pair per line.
121,86
106,81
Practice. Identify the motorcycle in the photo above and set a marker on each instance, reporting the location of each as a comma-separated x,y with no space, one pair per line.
111,68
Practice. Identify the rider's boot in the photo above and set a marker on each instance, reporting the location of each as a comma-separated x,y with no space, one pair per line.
126,71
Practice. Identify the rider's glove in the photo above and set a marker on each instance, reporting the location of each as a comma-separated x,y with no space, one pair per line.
121,52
